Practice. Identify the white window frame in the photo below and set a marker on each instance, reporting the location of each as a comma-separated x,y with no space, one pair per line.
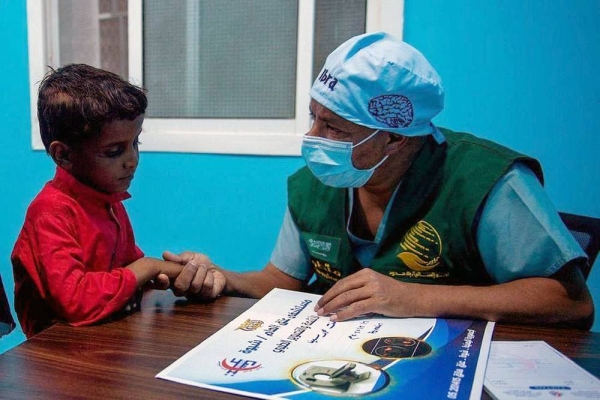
216,136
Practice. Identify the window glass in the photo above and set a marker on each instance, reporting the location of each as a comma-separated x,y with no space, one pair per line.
220,59
113,26
92,32
223,76
78,35
335,22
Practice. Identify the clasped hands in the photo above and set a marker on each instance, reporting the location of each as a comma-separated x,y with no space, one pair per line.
198,278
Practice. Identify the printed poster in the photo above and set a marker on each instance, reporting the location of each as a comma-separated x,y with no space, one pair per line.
280,348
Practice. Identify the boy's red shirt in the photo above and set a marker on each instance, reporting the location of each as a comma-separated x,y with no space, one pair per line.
68,258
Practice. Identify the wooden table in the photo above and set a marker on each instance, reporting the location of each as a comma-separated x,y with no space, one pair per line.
120,359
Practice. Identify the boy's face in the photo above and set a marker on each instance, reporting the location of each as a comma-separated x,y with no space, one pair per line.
108,162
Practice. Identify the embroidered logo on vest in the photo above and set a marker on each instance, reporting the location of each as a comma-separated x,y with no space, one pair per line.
394,110
421,247
325,248
326,270
328,80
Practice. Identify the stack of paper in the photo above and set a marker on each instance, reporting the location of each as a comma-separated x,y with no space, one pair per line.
535,370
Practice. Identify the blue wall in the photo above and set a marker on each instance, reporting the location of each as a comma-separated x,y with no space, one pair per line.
520,73
524,74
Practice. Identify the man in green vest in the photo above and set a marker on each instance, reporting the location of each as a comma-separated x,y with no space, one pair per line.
393,215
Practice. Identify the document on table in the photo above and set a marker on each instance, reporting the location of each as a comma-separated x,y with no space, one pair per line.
280,348
534,369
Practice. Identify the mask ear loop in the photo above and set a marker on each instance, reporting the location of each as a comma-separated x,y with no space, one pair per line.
379,163
373,168
365,139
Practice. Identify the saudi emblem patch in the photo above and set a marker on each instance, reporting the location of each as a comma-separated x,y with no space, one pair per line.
421,247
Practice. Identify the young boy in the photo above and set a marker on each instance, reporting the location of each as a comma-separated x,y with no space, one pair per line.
75,259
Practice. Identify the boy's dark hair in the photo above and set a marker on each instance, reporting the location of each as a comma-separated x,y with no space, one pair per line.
75,101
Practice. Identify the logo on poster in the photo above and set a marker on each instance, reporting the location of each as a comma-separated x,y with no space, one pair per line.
250,325
235,365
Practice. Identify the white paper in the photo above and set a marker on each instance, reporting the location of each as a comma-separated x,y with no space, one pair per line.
535,370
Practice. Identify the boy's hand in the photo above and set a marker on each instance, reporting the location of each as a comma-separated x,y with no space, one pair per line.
199,276
161,282
147,269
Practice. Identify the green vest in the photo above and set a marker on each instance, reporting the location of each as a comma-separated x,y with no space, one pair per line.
430,233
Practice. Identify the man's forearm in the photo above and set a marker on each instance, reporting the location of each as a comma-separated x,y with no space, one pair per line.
257,284
247,284
524,301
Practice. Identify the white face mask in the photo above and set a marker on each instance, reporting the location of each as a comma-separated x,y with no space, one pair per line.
331,162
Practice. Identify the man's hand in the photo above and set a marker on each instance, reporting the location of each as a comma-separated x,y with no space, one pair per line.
364,292
199,277
562,299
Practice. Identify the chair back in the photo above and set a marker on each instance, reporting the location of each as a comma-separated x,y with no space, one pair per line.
586,231
7,324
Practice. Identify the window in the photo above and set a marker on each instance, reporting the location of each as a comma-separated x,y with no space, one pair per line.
223,77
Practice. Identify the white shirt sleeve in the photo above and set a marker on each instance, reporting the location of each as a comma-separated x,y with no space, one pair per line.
520,233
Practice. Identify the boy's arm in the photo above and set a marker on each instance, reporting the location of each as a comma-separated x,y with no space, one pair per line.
50,254
147,268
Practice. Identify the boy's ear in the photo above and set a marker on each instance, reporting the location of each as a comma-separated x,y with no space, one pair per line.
61,154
